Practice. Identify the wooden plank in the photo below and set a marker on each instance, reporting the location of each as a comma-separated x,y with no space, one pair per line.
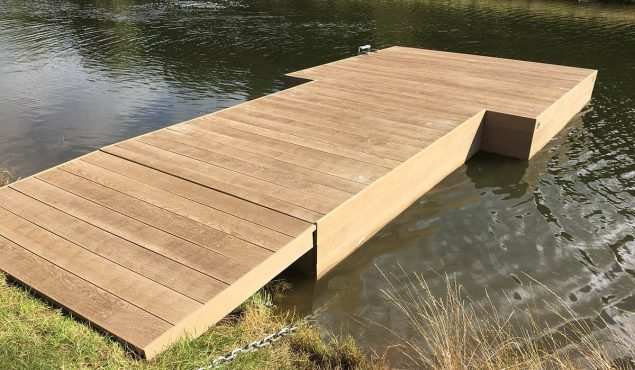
342,231
512,88
184,207
216,145
394,107
335,158
396,104
339,158
363,105
165,141
215,177
489,70
169,222
86,300
290,149
308,127
496,100
433,114
507,135
495,61
269,140
179,250
300,119
339,110
164,271
144,293
448,61
553,119
441,99
460,68
211,198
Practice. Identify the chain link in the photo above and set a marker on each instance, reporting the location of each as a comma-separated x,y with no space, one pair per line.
251,347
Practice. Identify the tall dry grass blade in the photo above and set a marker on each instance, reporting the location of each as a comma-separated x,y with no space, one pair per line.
454,332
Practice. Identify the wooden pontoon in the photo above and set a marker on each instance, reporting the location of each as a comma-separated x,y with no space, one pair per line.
166,233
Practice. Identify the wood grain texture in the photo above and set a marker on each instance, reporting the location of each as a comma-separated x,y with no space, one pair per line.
170,222
208,143
85,300
327,157
144,293
273,176
214,310
220,179
204,260
183,189
553,119
162,235
167,272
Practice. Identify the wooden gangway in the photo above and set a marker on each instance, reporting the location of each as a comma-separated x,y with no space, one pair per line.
164,234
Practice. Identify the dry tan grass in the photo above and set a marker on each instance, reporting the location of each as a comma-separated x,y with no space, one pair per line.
5,176
453,332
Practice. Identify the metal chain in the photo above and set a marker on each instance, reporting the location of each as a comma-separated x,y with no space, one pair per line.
251,347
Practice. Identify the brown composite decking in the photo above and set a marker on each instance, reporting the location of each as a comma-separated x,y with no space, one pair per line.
164,234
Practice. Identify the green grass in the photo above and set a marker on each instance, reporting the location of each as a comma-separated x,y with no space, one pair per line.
33,335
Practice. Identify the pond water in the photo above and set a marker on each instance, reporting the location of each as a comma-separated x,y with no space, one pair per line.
78,75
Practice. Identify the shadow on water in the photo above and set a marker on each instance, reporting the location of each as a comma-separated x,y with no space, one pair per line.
487,170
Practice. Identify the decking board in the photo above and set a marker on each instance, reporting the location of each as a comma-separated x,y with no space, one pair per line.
164,234
171,223
132,256
211,198
297,150
117,280
276,177
84,299
347,186
208,224
202,259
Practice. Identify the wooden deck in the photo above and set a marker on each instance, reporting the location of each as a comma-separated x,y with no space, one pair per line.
166,233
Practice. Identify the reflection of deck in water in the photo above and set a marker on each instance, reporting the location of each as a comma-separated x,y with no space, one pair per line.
166,233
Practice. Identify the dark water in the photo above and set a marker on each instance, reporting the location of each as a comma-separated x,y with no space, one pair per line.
77,75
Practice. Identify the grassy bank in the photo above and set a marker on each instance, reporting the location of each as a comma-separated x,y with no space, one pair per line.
34,335
451,332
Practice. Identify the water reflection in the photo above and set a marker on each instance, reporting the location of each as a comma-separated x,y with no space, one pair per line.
76,75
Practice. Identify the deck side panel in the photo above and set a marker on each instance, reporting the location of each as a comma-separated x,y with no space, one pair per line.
553,119
230,298
342,231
